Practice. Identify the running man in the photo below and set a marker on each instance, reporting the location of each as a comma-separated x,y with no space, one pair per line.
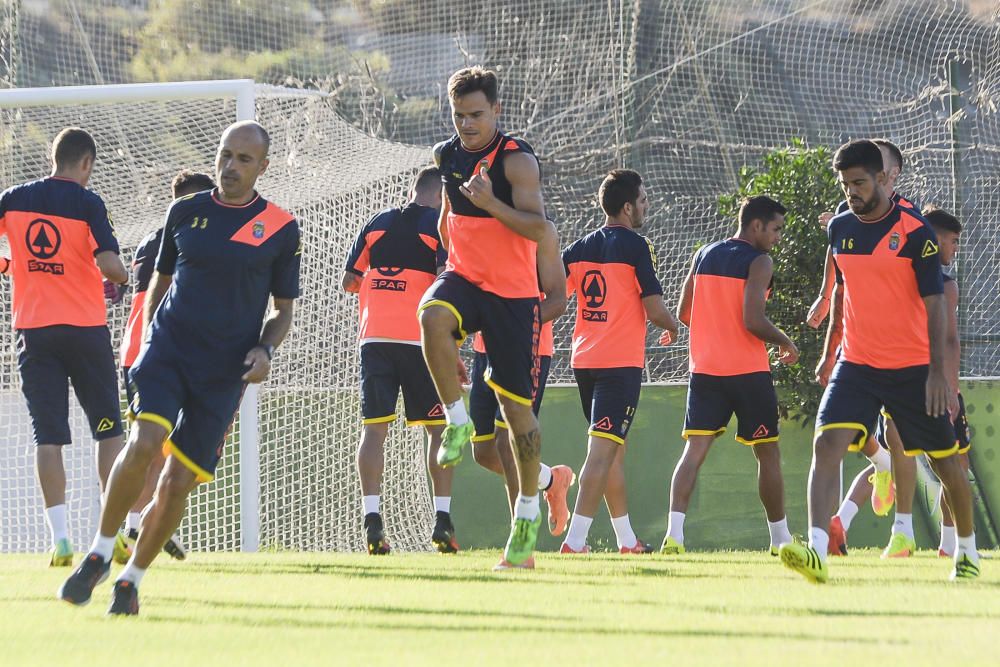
722,303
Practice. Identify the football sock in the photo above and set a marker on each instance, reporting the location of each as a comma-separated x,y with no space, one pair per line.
623,531
675,526
948,539
544,477
903,524
819,541
848,510
779,532
579,528
526,507
55,516
132,521
967,546
132,573
442,504
455,413
103,546
370,504
881,460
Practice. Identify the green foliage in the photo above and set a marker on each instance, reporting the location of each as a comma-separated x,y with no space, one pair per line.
802,180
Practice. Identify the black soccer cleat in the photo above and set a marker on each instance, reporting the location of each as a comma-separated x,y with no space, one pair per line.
173,547
78,588
443,536
124,599
377,544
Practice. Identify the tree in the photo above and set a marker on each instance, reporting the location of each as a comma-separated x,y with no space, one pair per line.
802,179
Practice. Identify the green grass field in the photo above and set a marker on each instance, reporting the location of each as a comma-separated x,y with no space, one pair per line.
282,610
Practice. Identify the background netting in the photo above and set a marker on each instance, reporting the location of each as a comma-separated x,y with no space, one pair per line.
684,91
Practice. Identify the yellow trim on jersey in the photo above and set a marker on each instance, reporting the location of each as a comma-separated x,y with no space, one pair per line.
501,424
156,419
758,441
379,420
483,438
201,475
694,431
855,445
426,422
608,436
454,311
943,454
509,394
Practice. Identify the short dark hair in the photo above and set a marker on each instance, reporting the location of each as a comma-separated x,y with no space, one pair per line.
941,219
761,208
859,153
72,145
893,149
619,187
428,178
188,182
472,79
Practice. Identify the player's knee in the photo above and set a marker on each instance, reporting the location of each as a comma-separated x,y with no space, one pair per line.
437,320
767,453
175,483
484,453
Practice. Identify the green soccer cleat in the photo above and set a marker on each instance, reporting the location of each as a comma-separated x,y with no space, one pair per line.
804,560
883,492
520,544
62,554
122,551
965,569
671,547
900,546
452,443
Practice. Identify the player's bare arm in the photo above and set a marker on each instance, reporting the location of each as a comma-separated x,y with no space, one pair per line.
443,218
158,286
551,274
687,296
276,327
658,313
821,306
834,334
939,397
527,216
111,267
754,318
351,282
955,350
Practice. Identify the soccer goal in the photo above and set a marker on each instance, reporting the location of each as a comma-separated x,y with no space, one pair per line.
287,479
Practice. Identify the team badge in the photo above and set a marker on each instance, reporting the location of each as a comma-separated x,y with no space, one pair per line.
894,241
258,229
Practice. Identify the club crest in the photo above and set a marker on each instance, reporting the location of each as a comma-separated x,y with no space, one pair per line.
894,241
258,229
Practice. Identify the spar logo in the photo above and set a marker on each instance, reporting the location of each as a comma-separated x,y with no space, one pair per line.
594,289
389,281
43,240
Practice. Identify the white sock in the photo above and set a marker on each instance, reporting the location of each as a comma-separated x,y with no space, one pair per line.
103,546
132,521
55,516
370,504
455,413
779,532
132,573
526,507
903,524
579,528
820,541
948,539
623,531
881,460
848,510
442,503
544,477
675,526
967,546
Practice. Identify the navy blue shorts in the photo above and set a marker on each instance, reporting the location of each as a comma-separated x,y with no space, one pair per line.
856,393
609,397
712,400
387,367
960,424
196,411
484,409
510,328
49,359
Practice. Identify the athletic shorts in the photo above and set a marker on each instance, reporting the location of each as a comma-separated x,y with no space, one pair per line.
960,424
196,411
510,328
484,409
49,359
609,397
387,367
713,399
856,393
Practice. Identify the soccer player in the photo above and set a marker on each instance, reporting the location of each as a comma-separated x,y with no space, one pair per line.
61,243
722,303
492,218
185,183
224,254
888,264
395,258
612,271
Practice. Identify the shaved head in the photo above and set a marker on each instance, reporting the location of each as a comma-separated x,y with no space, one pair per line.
250,126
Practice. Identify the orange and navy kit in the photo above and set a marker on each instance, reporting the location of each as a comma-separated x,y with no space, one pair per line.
610,270
490,283
143,265
225,263
397,255
885,268
55,228
730,369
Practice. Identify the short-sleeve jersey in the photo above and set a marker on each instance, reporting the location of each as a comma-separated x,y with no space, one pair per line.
55,228
143,263
226,261
886,267
896,199
610,270
397,254
482,249
720,343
